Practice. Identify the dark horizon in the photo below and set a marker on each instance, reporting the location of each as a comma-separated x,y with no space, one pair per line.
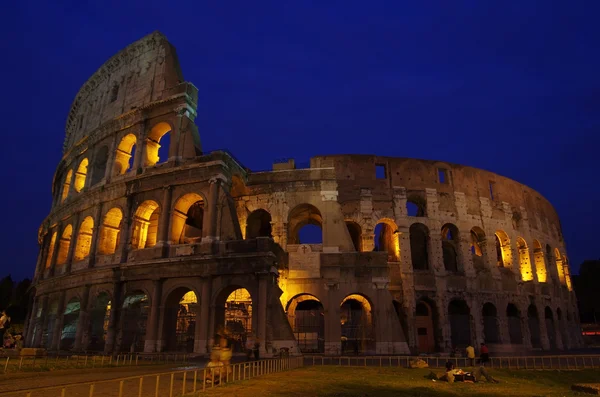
512,89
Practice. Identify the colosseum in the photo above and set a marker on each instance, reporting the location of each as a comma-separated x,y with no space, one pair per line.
152,245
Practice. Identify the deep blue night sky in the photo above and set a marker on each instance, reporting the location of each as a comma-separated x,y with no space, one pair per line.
512,87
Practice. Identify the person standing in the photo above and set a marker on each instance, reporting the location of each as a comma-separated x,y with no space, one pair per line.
470,350
4,325
484,354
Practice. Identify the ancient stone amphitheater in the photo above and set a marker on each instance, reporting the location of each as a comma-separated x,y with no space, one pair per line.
153,245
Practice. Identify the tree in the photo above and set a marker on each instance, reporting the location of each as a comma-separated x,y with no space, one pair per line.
587,291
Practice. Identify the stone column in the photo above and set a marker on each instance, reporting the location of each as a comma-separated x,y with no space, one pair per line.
82,324
30,319
42,321
261,315
444,336
73,243
543,331
115,308
126,226
151,342
202,337
558,334
138,156
110,161
465,257
59,231
477,334
209,227
60,314
333,329
95,235
164,221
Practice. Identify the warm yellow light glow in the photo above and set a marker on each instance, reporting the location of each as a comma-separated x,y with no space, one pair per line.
540,263
80,175
559,266
524,260
123,154
567,273
63,245
182,227
109,233
50,250
66,186
153,142
145,225
188,298
84,239
505,251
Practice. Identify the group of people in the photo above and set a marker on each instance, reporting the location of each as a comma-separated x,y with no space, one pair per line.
8,340
458,375
484,354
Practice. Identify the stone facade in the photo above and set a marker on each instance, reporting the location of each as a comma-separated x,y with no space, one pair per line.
415,256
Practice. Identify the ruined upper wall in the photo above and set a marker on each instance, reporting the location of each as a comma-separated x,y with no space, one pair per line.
142,73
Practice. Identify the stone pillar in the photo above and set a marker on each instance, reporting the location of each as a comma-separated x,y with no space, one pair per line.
82,324
110,161
543,331
126,226
30,319
444,337
72,244
465,256
333,329
202,337
42,321
59,231
261,315
115,309
138,156
60,314
95,235
151,342
209,227
525,329
477,333
558,334
164,221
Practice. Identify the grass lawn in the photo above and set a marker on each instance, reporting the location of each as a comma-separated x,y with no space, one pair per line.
375,381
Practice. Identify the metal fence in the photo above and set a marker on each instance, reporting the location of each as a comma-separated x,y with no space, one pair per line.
45,363
173,383
520,362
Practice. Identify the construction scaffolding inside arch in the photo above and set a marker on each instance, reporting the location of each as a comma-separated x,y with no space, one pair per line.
307,318
238,317
357,325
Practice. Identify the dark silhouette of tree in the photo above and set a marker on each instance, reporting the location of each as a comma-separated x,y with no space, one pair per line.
14,298
587,291
6,291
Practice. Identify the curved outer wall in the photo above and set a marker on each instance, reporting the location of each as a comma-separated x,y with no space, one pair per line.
414,255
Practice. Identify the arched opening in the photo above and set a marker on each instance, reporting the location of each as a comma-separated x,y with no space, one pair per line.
99,170
563,329
514,324
70,320
524,260
179,324
134,317
415,206
356,320
80,175
66,186
187,220
124,154
157,144
386,239
491,331
503,254
355,234
460,323
84,239
48,332
109,232
451,247
234,313
567,273
559,266
50,250
258,224
424,321
63,245
550,327
534,326
307,319
305,225
145,225
419,246
98,326
477,244
540,263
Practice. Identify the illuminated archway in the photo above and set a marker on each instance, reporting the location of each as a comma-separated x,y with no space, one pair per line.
66,186
153,145
356,319
70,321
50,250
98,323
145,225
477,243
234,315
386,239
540,263
559,266
124,154
187,219
179,324
109,233
307,319
84,239
503,253
63,245
80,175
524,260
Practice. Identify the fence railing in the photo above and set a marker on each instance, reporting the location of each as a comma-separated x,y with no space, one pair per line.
520,362
173,383
45,363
